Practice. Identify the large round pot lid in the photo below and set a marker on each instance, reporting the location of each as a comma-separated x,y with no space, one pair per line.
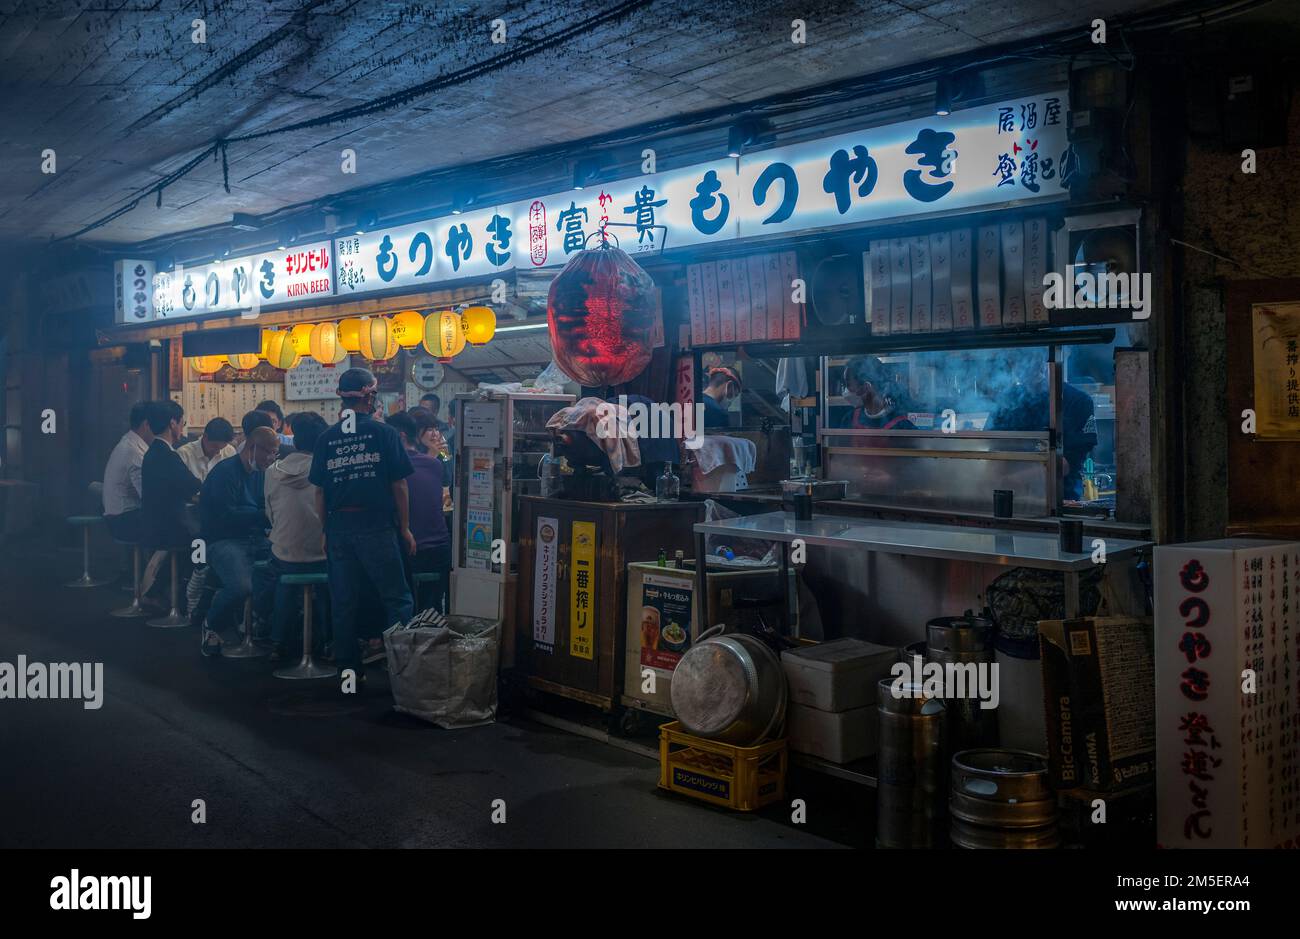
709,689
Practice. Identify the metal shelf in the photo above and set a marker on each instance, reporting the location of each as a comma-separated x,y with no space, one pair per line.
918,342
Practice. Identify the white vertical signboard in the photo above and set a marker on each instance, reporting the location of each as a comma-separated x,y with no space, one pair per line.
547,555
1227,753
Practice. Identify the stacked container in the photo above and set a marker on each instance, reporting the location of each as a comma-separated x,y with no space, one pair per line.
833,697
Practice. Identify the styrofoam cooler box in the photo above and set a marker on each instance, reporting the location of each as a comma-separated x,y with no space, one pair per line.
838,675
837,736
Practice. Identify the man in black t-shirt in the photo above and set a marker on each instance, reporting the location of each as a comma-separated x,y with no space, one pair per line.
360,467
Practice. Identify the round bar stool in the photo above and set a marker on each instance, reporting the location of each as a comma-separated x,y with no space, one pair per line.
307,668
135,608
248,648
175,617
84,522
423,577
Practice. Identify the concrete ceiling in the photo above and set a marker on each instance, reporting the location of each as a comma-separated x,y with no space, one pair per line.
123,96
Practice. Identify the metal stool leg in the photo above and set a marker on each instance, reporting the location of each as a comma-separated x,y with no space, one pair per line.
135,609
85,580
248,649
307,668
175,617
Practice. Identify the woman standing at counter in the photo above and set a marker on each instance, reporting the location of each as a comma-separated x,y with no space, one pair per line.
879,400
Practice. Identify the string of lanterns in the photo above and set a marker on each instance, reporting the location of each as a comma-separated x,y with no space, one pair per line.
443,334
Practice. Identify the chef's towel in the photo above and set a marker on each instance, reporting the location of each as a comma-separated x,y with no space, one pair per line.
791,381
726,451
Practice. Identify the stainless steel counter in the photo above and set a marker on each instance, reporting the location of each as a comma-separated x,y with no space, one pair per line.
995,546
951,542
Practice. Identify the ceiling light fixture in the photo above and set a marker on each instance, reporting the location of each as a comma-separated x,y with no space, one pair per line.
943,96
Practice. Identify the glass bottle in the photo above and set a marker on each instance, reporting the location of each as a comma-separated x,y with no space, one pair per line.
548,471
668,488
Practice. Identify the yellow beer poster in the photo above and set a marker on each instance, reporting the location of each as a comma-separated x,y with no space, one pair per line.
1276,334
582,591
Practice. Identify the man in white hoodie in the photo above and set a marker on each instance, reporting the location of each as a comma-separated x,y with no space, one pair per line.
296,532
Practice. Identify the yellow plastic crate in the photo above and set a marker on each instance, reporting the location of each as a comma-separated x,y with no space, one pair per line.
740,778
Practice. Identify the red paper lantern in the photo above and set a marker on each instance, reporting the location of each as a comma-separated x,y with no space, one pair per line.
601,313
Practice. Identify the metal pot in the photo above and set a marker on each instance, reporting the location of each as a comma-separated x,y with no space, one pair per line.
729,688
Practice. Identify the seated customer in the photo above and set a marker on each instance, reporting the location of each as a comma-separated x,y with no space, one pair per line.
272,409
252,420
216,444
297,538
423,441
233,524
167,486
122,476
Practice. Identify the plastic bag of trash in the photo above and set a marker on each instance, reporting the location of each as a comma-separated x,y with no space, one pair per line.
445,674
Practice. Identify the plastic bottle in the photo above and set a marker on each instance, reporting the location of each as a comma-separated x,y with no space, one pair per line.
663,558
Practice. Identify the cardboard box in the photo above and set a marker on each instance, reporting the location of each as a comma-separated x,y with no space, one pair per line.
1099,696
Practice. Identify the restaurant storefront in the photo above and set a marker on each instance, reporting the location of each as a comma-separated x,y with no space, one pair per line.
942,329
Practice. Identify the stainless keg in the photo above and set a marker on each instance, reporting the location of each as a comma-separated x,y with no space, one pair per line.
910,790
965,641
1001,799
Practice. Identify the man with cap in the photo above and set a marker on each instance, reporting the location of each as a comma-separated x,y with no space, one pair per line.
359,467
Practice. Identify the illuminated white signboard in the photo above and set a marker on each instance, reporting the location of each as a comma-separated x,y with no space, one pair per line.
1008,153
248,283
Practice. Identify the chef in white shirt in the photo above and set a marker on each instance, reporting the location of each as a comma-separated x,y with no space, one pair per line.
216,444
122,488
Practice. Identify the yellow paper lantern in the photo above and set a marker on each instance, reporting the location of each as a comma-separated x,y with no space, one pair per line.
408,328
325,346
243,360
207,364
377,340
300,338
279,349
350,334
443,337
479,324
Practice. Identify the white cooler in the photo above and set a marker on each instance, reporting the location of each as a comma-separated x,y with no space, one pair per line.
833,687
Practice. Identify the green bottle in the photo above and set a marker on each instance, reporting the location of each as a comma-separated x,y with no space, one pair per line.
663,558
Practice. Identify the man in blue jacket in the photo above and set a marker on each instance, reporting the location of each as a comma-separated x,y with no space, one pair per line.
233,524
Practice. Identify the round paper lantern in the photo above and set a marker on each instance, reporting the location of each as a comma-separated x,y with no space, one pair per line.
377,340
325,346
279,350
479,324
350,334
300,338
443,337
243,360
408,328
207,364
601,314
